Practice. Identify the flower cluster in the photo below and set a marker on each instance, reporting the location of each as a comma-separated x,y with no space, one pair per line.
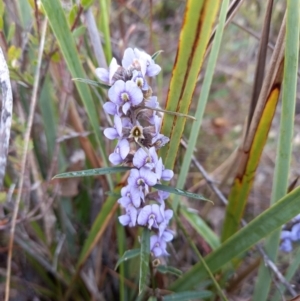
137,130
290,234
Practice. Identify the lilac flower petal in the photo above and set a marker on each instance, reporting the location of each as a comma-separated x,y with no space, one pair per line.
110,108
167,174
167,235
163,195
156,211
286,245
140,81
158,246
114,93
162,227
115,158
168,214
102,74
139,158
143,59
133,215
295,232
128,58
152,102
136,95
133,177
118,124
149,176
126,122
153,69
144,215
285,234
160,140
136,196
124,219
124,201
159,168
126,107
124,148
111,133
125,191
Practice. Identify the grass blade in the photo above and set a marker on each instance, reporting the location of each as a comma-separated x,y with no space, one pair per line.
201,227
180,192
267,222
144,263
250,152
194,37
186,296
284,147
92,172
67,46
202,100
243,181
129,254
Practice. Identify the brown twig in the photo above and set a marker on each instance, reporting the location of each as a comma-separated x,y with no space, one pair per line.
24,159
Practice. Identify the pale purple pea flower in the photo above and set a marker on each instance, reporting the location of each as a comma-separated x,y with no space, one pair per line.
140,81
158,246
110,108
162,173
120,153
167,235
125,94
116,131
106,76
141,158
286,241
159,141
158,196
295,232
168,214
140,60
139,181
151,216
129,219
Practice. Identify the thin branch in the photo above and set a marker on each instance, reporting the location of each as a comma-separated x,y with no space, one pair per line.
24,159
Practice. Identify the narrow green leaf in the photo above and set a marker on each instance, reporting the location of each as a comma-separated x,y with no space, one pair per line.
97,228
128,255
196,29
92,172
286,132
202,100
264,224
144,263
181,192
91,82
104,10
164,269
61,30
188,296
201,227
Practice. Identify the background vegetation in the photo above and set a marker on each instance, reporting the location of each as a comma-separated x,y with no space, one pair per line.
236,72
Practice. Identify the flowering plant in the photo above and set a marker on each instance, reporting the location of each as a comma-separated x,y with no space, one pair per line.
137,130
